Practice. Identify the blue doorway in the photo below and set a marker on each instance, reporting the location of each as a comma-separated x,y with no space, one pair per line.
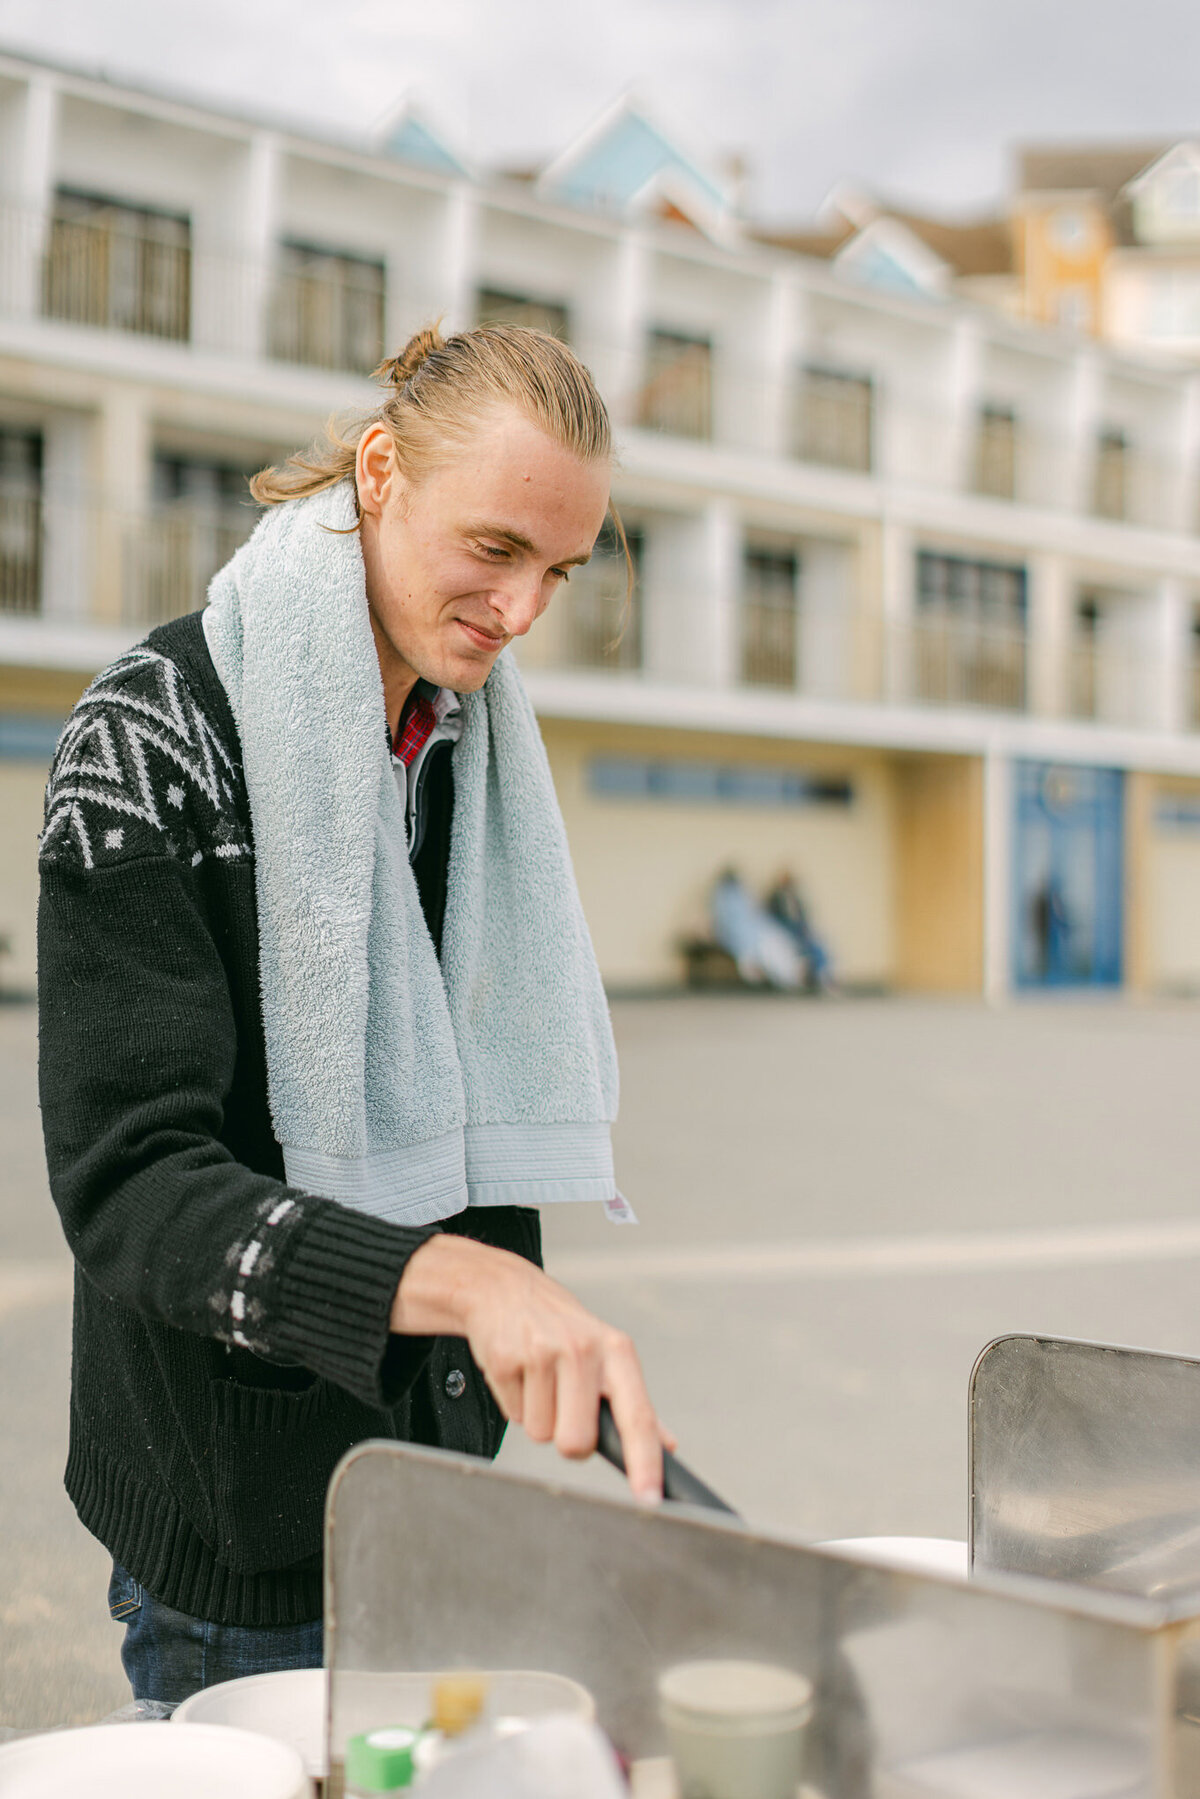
1068,876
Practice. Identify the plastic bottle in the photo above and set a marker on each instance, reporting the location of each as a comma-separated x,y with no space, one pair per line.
381,1761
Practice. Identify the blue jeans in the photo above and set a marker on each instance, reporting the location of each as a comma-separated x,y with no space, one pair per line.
168,1655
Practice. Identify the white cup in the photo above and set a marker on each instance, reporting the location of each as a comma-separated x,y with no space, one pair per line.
735,1729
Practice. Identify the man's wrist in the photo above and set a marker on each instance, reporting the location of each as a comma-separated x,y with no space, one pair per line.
433,1298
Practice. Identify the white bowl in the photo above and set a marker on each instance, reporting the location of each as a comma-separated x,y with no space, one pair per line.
150,1761
288,1705
919,1555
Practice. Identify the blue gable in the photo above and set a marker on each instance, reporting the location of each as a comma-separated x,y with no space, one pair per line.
410,141
614,170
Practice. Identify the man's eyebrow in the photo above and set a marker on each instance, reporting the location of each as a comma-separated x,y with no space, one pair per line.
521,542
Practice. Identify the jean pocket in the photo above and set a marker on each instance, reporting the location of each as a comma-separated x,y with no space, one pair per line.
124,1596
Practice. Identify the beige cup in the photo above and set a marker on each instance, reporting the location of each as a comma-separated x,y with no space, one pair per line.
735,1729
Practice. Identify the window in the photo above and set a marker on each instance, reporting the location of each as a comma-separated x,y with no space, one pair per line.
124,268
328,309
995,470
676,396
495,307
768,618
714,784
603,619
200,514
834,415
20,521
1110,495
1082,672
969,637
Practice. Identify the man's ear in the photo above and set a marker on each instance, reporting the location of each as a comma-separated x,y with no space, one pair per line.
375,471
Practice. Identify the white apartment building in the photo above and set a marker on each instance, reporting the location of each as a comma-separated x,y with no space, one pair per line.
918,585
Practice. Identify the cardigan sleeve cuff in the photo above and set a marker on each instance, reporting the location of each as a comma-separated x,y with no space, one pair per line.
334,1301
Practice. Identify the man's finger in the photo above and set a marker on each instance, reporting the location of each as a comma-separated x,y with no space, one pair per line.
539,1401
638,1429
578,1395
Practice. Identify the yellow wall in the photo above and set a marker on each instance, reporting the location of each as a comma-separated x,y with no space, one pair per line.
939,867
21,788
1171,884
645,867
1047,266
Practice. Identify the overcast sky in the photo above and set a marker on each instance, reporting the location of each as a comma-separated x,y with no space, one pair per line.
916,98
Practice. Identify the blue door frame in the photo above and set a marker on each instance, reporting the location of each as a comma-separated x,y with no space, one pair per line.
1068,876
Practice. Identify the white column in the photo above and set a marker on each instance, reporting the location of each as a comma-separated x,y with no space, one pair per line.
828,618
123,461
233,274
1169,647
897,568
779,365
692,580
66,515
1048,670
1082,425
963,402
619,366
457,278
997,875
28,187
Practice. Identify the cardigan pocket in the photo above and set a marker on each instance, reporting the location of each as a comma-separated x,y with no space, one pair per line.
274,1452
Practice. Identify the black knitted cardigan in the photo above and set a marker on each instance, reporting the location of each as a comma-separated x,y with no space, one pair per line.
202,1465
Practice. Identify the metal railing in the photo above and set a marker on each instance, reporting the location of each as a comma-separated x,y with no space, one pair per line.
98,272
170,556
956,662
20,553
768,643
327,312
676,395
833,420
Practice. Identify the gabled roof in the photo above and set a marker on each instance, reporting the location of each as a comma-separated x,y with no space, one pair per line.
888,255
626,163
973,247
1184,154
1101,169
407,136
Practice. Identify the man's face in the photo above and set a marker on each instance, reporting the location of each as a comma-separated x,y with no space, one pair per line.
465,560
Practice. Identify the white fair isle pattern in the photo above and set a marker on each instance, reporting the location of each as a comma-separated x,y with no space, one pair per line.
136,744
247,1263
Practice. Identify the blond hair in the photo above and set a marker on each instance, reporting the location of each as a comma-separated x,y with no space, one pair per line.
441,388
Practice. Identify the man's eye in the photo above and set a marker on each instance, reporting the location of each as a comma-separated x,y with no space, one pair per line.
495,550
561,574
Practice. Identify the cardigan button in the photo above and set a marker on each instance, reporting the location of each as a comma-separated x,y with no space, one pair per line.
456,1383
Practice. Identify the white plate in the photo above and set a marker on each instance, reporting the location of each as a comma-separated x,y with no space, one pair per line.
149,1761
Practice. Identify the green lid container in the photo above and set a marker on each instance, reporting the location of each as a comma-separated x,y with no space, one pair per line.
381,1761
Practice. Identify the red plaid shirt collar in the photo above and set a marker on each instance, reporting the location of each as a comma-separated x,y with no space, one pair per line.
426,708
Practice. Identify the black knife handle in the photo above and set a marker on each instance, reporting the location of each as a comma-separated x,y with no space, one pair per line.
679,1483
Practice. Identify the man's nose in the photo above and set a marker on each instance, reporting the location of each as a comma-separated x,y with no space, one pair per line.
518,605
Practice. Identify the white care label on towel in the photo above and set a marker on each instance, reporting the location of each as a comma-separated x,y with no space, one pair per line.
619,1211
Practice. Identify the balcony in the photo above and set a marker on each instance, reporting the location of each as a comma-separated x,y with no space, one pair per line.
676,395
327,310
834,419
117,267
957,662
995,465
169,556
20,553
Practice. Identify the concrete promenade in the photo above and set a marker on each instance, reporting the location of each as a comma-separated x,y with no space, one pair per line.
840,1203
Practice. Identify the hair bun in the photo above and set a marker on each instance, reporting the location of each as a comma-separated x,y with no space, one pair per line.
396,370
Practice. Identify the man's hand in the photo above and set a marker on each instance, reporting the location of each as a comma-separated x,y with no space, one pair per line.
547,1360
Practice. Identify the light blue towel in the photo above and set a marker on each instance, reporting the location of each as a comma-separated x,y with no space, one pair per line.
406,1089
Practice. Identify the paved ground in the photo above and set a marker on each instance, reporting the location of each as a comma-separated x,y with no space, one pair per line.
840,1204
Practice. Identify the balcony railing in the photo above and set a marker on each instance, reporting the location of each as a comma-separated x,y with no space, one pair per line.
768,646
676,394
20,553
956,662
120,275
327,310
170,556
833,422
